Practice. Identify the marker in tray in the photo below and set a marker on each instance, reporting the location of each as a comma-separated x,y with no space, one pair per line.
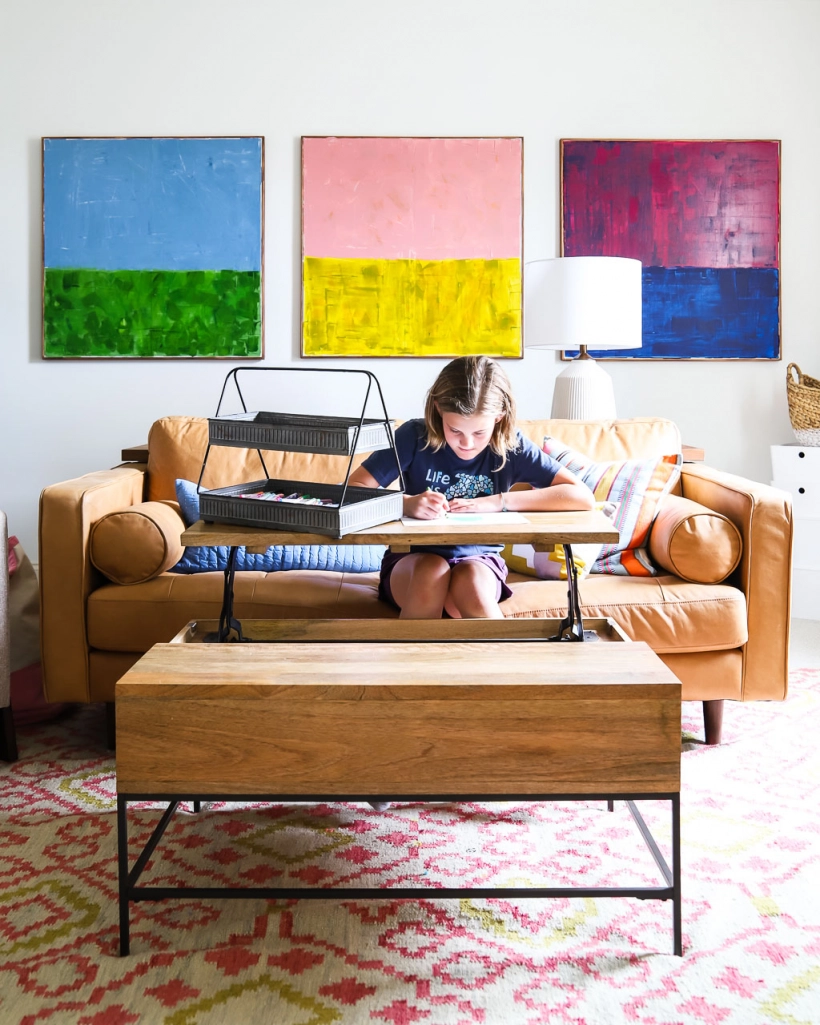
294,497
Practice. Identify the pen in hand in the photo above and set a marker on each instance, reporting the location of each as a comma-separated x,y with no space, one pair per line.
446,506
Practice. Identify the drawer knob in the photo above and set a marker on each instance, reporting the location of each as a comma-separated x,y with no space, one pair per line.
802,491
801,455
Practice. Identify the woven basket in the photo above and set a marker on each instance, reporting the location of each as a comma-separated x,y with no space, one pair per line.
804,405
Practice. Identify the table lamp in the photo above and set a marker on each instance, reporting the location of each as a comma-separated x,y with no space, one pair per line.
583,302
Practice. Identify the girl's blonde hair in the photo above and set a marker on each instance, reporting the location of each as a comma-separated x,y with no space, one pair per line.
472,386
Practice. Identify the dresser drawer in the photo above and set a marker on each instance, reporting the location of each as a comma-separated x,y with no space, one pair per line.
806,545
796,463
805,496
806,594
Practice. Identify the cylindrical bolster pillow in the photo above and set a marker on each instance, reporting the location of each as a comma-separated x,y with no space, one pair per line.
694,542
137,544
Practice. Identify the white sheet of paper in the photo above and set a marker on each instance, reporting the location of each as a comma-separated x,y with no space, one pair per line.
479,519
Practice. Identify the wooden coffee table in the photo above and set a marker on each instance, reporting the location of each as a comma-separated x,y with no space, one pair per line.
411,715
542,530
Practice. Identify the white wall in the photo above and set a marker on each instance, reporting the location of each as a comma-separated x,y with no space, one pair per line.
543,69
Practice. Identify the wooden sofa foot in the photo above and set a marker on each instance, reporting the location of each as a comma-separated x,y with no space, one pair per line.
8,737
110,726
713,720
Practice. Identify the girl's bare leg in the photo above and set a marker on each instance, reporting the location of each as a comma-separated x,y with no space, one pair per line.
473,587
419,586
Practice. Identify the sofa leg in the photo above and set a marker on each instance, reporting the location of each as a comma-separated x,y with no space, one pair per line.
713,720
8,737
110,726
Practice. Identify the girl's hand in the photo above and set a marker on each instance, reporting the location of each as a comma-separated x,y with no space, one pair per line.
429,505
485,504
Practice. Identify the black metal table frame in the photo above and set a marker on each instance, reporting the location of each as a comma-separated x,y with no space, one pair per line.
571,627
129,877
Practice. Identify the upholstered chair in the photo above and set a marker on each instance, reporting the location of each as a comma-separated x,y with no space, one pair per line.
8,740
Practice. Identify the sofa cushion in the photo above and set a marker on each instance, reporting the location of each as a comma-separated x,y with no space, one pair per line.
636,487
135,618
202,559
176,449
667,613
638,438
177,444
693,542
133,545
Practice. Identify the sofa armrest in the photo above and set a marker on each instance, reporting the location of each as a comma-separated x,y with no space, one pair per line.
67,513
763,515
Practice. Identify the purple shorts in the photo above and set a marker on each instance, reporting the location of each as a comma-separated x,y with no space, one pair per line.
491,559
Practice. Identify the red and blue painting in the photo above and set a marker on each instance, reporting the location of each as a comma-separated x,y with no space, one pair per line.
703,217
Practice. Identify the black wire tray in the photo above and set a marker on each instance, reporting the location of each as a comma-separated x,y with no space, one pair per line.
333,435
363,507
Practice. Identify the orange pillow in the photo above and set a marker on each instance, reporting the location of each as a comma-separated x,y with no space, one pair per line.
693,542
133,545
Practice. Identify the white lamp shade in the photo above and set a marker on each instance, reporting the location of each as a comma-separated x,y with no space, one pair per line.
582,300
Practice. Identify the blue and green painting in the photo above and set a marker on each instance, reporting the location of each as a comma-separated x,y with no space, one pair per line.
152,248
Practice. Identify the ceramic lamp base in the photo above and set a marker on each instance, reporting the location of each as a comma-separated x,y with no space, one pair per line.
583,392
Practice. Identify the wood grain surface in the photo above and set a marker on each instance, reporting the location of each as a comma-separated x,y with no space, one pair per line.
135,454
542,530
398,718
513,628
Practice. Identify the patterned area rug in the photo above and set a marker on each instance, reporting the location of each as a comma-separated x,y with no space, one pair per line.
751,884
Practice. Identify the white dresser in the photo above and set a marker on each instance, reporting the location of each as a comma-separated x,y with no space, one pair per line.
796,469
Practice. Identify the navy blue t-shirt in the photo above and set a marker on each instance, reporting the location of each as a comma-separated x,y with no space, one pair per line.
443,471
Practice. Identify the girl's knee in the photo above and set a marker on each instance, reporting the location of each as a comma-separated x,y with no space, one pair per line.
431,562
472,576
473,591
431,571
419,585
422,566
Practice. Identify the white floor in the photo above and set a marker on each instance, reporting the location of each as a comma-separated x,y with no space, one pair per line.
804,649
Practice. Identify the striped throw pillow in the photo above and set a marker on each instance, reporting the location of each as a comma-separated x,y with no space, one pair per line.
637,487
550,565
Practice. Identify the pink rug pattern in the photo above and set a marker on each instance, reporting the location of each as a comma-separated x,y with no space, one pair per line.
751,884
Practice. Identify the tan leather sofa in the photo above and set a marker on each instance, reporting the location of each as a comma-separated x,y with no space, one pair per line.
723,640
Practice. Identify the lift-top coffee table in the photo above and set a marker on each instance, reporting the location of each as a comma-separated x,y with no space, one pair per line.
542,530
404,712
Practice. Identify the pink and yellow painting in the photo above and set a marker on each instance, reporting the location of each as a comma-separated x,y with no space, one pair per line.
411,246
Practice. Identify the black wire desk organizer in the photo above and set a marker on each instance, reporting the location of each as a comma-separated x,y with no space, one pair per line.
277,504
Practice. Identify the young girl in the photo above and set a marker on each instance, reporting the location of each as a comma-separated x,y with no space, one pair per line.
464,456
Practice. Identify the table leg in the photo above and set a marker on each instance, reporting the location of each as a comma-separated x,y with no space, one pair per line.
572,627
130,890
122,862
677,900
227,621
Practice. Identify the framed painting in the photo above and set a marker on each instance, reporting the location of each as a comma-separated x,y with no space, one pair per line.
703,217
411,246
152,248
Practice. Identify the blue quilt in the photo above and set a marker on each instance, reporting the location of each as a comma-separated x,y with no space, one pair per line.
342,558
